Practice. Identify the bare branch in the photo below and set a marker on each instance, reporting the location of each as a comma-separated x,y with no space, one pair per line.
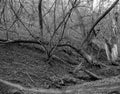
40,16
88,38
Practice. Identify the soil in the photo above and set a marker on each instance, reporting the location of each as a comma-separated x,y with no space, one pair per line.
27,66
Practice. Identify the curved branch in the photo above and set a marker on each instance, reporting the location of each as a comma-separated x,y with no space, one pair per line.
97,21
43,43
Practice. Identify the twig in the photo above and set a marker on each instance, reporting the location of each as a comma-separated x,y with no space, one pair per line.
30,77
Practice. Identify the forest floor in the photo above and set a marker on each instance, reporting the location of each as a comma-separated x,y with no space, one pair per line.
27,66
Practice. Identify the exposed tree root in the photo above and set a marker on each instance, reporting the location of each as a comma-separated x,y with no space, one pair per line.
79,51
92,75
5,86
97,87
